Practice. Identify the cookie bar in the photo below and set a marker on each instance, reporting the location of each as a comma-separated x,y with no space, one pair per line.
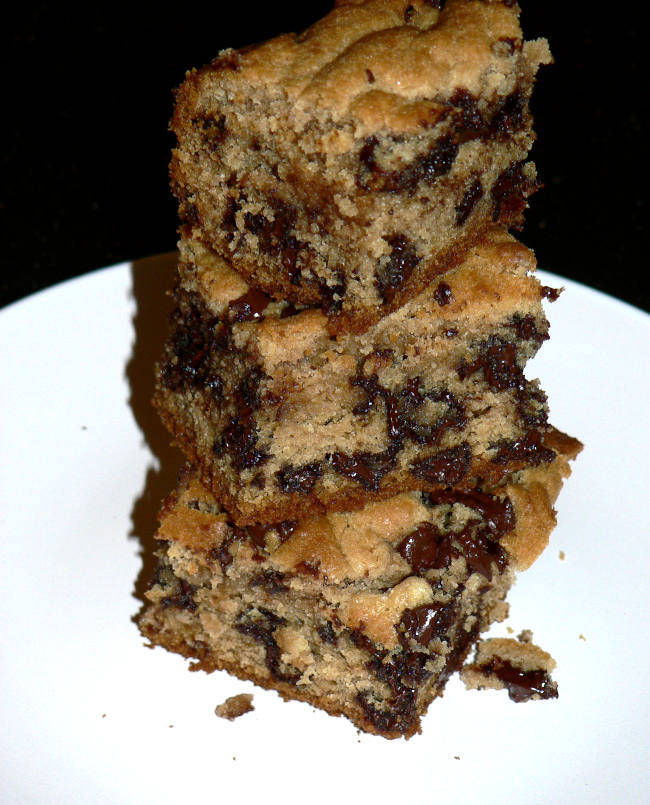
363,613
282,418
347,166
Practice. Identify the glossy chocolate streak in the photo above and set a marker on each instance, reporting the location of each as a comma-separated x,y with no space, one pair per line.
498,514
248,307
426,622
521,685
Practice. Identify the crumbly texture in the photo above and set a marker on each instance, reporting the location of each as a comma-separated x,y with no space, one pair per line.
364,613
235,706
283,418
518,666
346,166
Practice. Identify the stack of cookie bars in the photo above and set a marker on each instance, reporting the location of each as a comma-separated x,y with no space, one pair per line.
368,465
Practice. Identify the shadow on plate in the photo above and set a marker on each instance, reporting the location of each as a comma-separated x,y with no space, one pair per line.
152,279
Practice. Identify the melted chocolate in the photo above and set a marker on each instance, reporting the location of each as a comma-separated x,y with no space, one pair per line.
528,450
327,634
183,599
510,192
259,624
368,469
426,622
275,238
498,361
498,514
271,581
446,467
443,294
239,437
300,479
526,328
427,167
427,548
423,548
521,685
195,335
248,307
399,267
469,200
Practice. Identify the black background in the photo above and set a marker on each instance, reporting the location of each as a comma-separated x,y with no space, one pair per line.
88,94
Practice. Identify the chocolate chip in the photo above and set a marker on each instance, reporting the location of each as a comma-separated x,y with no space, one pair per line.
521,685
271,581
443,294
446,467
183,598
528,450
259,624
472,195
249,306
300,479
397,268
426,622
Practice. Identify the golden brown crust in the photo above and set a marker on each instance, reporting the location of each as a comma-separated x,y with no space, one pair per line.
412,51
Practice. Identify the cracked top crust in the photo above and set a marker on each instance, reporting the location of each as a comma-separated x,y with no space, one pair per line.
385,62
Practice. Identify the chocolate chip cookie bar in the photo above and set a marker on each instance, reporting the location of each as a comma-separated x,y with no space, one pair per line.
282,418
347,166
364,613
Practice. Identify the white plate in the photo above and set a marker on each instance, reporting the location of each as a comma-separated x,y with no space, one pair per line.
89,715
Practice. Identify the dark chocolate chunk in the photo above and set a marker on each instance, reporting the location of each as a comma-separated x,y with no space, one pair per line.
259,624
443,294
498,361
498,514
422,548
327,634
275,237
521,685
248,307
528,450
395,271
369,469
188,365
426,622
183,598
300,479
272,581
510,193
526,328
446,467
239,437
472,194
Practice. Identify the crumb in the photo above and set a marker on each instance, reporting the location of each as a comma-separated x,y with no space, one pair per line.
518,666
525,636
235,706
510,630
103,715
171,726
83,427
562,555
582,637
456,757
